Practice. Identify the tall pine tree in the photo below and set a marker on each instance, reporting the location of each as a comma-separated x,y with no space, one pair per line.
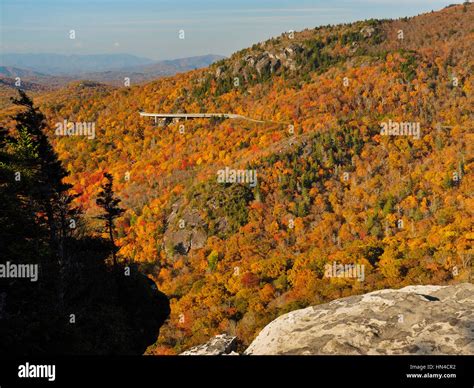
110,203
49,191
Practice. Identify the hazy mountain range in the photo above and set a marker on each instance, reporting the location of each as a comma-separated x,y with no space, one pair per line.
111,68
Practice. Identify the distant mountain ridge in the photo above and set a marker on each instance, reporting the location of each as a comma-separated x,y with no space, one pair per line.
58,64
80,65
142,73
8,71
35,79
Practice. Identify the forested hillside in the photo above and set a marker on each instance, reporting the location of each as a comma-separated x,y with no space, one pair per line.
332,186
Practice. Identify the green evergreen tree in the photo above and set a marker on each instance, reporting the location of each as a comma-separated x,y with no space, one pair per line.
49,190
110,203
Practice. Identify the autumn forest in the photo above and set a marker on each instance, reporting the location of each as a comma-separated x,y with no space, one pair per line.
353,147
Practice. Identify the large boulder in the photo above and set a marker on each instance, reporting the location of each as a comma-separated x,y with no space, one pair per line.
411,320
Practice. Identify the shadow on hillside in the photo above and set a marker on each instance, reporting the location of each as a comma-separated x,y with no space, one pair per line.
105,312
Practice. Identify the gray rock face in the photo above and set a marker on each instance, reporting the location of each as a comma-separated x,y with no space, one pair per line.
412,320
367,31
219,72
219,345
186,232
264,62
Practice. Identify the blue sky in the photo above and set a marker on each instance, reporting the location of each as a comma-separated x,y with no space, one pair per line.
149,28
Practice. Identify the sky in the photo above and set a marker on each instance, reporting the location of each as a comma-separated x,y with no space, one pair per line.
151,28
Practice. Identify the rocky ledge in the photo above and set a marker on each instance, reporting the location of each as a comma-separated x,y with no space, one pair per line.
411,320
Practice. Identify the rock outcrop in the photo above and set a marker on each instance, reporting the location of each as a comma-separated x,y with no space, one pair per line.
266,62
184,232
411,320
219,345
